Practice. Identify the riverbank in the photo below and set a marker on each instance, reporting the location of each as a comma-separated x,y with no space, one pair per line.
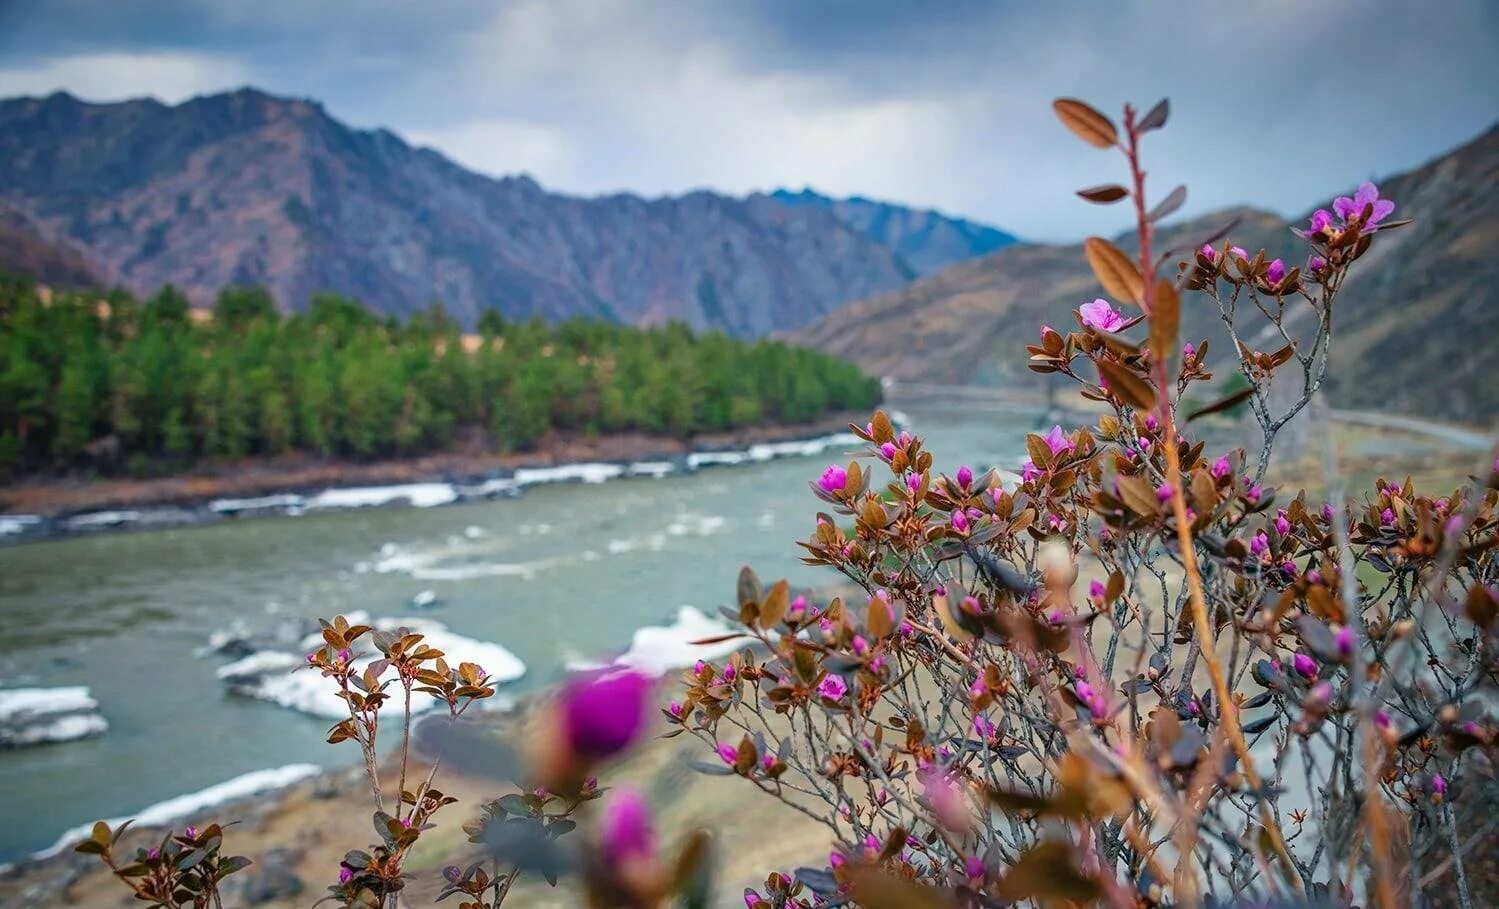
41,508
296,835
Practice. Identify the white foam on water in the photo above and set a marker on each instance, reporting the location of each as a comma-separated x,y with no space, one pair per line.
616,547
714,458
257,782
596,472
12,524
424,599
492,487
659,649
474,531
653,469
36,716
420,495
261,503
21,704
268,675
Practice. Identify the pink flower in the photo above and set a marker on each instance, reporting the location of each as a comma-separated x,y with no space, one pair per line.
975,868
1238,251
625,829
345,875
1345,641
1282,524
728,754
913,481
1029,471
1208,252
1100,315
965,476
959,520
1163,492
888,449
1057,440
1097,590
1305,666
1275,272
983,727
676,709
1259,544
602,714
1253,493
1367,197
1221,468
834,479
797,609
1438,786
1321,220
832,687
1316,263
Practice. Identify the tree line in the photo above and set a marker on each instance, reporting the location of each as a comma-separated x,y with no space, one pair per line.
110,383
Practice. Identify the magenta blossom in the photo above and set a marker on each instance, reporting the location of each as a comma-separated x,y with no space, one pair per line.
1238,252
1096,589
1321,220
1316,264
728,754
1208,252
1305,666
913,482
603,714
1275,272
1221,468
1438,786
625,829
345,875
1100,315
834,479
888,450
832,687
959,520
1367,197
965,476
1057,440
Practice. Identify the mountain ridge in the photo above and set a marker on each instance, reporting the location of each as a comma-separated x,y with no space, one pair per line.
1405,322
248,187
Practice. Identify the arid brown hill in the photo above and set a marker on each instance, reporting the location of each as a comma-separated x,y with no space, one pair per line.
251,188
1415,329
25,252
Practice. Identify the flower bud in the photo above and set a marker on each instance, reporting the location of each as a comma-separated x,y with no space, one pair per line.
834,479
603,714
1305,665
965,476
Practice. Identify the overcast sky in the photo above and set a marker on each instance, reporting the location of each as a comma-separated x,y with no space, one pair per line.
1278,103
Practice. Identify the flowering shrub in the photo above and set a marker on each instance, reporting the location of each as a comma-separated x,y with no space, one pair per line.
1255,696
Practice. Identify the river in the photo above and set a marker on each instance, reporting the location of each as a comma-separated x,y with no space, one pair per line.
562,573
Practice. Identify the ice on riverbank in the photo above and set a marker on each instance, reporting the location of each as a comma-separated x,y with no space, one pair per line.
37,716
257,782
420,495
659,649
268,675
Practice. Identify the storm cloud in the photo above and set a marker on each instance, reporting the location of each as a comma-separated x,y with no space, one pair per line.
1278,103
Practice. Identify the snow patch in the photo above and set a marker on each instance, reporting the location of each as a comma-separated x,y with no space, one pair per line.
586,472
261,503
420,495
659,649
256,782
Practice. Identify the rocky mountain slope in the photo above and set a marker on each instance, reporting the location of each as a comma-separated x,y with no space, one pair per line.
250,188
927,240
24,250
1412,325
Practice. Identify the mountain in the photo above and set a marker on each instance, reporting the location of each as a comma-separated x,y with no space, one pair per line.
26,252
927,240
1409,327
246,187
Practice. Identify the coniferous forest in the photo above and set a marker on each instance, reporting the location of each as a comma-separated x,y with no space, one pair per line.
108,383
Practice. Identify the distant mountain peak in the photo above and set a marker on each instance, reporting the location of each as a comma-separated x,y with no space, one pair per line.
926,239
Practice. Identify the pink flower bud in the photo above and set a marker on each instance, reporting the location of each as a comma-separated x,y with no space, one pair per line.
625,829
1438,786
1387,516
603,714
1096,589
1259,544
959,520
832,687
345,875
1163,492
1208,252
728,754
1275,272
888,450
834,479
1305,665
1315,264
1221,468
965,476
1282,524
913,482
1346,639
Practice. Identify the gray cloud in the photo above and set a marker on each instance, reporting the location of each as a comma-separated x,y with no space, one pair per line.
1276,102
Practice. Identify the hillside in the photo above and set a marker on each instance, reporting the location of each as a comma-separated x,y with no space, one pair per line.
248,188
970,323
26,252
927,240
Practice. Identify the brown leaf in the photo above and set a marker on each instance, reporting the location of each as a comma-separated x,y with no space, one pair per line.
773,609
1165,320
1115,271
1233,400
1048,871
1156,118
1085,122
1168,206
1129,387
1103,195
1138,495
